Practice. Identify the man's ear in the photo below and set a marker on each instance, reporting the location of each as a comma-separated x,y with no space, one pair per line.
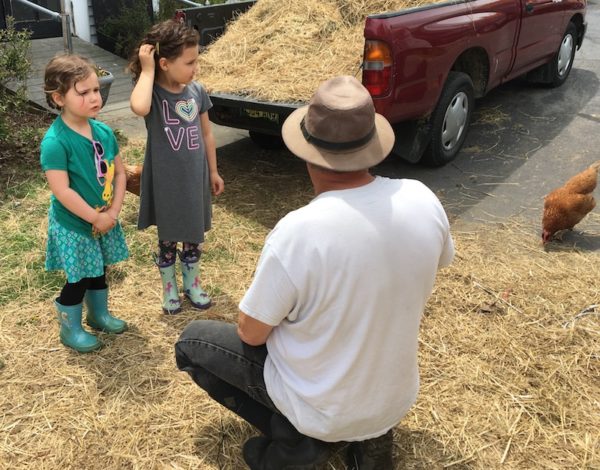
58,99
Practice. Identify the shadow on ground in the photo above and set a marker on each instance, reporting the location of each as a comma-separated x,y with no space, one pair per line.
415,450
512,124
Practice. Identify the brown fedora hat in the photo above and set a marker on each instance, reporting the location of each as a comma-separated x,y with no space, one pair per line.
339,129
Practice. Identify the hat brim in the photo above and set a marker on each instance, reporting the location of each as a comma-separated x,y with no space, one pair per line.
366,156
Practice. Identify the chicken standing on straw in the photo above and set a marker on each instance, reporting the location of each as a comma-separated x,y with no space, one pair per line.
133,174
568,205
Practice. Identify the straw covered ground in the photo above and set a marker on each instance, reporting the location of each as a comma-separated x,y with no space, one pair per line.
283,54
509,369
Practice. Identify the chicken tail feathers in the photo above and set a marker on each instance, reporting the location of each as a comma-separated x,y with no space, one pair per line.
584,182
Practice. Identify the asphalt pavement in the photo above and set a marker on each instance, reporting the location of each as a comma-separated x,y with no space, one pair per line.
525,141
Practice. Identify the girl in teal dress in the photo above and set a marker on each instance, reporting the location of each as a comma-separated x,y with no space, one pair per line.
79,156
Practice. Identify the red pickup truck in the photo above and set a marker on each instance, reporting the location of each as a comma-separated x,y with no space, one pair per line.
425,66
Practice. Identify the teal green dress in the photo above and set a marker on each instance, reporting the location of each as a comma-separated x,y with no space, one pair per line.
72,245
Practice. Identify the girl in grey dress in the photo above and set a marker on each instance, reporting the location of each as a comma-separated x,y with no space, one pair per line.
180,165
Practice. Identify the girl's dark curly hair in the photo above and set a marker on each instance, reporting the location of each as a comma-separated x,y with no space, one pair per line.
169,39
63,72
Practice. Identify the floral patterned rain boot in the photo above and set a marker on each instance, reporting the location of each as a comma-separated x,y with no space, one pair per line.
171,302
190,269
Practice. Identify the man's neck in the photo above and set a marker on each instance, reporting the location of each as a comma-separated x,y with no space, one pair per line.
324,180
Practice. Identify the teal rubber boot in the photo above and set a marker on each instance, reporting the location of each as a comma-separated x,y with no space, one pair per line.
190,269
171,302
72,333
98,316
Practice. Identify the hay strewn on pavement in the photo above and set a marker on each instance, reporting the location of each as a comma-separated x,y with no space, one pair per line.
509,372
283,52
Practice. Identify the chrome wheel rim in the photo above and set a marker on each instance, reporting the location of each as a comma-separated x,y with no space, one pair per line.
564,55
455,121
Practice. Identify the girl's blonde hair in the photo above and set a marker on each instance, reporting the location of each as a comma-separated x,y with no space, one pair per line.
63,72
169,39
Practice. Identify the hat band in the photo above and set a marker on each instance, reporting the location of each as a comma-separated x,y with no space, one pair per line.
327,145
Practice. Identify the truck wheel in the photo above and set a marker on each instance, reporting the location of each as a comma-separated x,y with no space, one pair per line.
266,141
560,66
450,120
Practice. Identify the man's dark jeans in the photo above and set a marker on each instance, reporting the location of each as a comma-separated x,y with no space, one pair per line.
228,369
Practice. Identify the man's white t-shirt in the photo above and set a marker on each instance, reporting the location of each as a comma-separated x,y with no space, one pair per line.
344,280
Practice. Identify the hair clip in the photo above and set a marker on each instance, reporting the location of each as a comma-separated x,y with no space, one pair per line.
157,48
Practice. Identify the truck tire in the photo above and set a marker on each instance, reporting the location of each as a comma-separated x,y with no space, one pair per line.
450,120
266,141
555,73
560,66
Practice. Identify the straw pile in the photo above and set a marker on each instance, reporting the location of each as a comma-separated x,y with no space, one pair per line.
509,349
282,52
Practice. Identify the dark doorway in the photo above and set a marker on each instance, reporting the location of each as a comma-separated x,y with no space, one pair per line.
40,24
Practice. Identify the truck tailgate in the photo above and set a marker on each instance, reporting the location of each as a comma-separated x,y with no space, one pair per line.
246,113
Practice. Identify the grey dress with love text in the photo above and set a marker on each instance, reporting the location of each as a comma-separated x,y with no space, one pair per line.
175,190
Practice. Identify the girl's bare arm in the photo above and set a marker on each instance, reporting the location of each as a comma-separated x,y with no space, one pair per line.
216,182
58,180
141,96
119,188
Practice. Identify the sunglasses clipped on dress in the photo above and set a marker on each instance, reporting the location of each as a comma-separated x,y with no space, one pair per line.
101,167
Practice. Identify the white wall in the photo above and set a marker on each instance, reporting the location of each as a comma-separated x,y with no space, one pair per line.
80,18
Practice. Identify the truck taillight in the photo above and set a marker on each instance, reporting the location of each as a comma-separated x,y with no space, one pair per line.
377,67
180,16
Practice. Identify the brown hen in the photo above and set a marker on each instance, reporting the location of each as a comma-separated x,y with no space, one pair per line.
566,206
134,175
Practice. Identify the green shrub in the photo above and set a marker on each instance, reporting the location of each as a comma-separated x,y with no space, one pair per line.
128,27
166,9
15,66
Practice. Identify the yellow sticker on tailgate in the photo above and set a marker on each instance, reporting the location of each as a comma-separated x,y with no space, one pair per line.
257,114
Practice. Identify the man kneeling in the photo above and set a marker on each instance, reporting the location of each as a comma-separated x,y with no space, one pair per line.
325,349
